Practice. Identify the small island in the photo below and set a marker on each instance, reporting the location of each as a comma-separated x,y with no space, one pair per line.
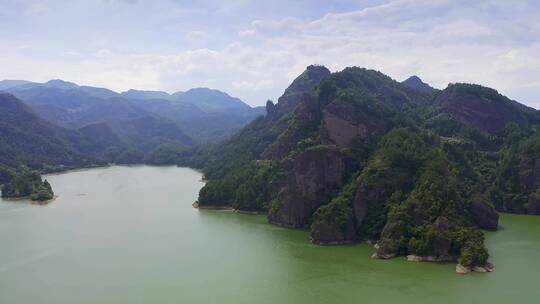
28,185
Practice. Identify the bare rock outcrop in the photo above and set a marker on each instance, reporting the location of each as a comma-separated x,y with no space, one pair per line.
316,175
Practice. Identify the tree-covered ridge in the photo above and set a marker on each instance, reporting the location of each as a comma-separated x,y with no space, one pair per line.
28,185
361,156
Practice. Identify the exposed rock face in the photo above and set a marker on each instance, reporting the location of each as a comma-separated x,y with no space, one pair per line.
304,83
483,213
339,131
325,233
315,176
342,124
270,108
480,107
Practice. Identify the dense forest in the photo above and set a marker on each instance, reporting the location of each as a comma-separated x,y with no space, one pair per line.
356,155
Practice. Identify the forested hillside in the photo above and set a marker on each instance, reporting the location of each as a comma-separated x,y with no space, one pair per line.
356,155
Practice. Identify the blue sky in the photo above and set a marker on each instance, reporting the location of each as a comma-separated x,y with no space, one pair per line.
253,49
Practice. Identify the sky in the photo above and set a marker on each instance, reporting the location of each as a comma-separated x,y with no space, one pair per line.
254,49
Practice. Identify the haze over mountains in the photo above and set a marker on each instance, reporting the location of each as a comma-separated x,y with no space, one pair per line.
198,115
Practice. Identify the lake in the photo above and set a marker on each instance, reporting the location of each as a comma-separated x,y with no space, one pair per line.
130,235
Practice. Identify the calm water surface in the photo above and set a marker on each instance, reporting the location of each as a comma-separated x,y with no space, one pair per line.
130,235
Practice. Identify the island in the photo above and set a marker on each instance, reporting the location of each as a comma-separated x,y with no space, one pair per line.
28,185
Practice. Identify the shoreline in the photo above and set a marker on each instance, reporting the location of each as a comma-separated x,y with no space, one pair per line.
226,208
27,198
73,169
42,203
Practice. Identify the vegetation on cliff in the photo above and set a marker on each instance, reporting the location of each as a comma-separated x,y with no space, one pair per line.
356,155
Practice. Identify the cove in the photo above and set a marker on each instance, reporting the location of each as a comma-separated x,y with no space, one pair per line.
130,235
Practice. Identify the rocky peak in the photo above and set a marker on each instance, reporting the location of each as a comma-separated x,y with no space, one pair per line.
270,108
414,82
304,83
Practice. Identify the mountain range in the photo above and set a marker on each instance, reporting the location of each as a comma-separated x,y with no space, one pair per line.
199,115
355,155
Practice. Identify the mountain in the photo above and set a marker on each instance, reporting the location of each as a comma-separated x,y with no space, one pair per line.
204,114
414,82
482,108
212,101
138,94
98,92
60,84
28,140
7,84
357,155
148,132
73,108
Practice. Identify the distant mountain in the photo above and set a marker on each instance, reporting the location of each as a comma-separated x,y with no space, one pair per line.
7,84
98,92
148,132
138,94
204,114
26,139
60,84
74,108
414,82
212,101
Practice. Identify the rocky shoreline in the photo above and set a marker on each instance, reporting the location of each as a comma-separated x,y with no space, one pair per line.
224,208
460,269
27,198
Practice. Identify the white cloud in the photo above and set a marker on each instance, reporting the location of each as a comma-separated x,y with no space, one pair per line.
491,42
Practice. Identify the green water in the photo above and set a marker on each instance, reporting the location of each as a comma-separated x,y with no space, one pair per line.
130,235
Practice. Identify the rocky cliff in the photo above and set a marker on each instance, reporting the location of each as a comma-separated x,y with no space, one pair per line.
316,174
356,155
